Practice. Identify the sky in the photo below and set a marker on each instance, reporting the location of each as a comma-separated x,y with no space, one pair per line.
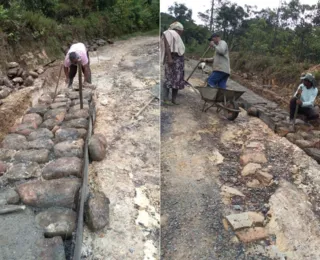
203,5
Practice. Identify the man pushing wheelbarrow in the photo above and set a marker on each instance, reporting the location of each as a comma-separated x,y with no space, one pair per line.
221,62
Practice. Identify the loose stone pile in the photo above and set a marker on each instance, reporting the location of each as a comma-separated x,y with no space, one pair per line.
17,78
41,166
249,226
305,136
92,45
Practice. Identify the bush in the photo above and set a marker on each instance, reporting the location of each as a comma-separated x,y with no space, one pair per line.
58,22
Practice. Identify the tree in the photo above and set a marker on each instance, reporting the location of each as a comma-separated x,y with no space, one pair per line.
181,12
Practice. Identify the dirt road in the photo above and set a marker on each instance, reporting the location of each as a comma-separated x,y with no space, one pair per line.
129,175
201,156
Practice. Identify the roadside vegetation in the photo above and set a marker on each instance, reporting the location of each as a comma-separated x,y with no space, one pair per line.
277,43
28,25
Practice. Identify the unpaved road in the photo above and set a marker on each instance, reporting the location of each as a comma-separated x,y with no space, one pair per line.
199,153
124,74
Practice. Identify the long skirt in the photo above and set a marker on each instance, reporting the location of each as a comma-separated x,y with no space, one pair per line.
174,73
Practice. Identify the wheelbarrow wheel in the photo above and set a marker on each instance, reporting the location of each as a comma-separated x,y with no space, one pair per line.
231,115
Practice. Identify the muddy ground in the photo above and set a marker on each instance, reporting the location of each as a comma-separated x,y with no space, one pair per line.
125,74
200,152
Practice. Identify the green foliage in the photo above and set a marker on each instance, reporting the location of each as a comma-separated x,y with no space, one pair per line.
57,22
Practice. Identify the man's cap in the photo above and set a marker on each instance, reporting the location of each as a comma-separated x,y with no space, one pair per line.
73,56
309,77
213,35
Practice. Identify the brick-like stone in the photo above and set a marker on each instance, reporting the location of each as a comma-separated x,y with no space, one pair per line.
53,193
7,154
250,169
57,222
41,133
58,105
229,191
63,167
264,177
57,114
9,196
253,183
76,123
21,171
14,142
97,147
256,218
77,114
314,153
41,144
252,234
304,143
23,129
65,134
50,123
239,221
76,108
69,148
51,248
32,118
267,119
258,157
39,109
39,156
97,211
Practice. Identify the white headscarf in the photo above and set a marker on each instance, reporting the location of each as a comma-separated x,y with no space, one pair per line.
176,26
174,40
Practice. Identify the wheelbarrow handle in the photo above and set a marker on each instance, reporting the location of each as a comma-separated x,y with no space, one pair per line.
198,63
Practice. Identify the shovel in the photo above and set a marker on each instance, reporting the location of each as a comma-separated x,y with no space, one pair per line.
204,54
295,114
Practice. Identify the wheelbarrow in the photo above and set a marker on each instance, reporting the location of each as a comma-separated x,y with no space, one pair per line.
223,99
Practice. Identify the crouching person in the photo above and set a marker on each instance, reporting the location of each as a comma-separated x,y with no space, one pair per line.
77,53
304,98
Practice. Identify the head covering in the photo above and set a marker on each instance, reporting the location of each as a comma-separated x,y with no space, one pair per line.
213,35
73,56
176,26
310,78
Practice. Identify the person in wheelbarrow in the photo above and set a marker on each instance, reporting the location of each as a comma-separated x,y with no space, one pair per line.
304,98
221,62
77,53
172,56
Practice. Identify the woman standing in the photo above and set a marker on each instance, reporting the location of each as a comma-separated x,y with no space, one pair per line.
172,56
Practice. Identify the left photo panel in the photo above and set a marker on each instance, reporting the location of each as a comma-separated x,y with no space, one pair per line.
80,131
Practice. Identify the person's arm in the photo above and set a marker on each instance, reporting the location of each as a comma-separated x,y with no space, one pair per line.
221,48
208,60
66,72
86,72
167,50
66,68
311,99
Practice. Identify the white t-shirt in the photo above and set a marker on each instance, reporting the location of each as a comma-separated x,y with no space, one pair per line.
81,50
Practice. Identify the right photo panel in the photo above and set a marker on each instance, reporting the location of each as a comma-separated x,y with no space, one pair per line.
240,130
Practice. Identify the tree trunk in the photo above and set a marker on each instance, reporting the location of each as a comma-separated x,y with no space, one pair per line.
211,16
